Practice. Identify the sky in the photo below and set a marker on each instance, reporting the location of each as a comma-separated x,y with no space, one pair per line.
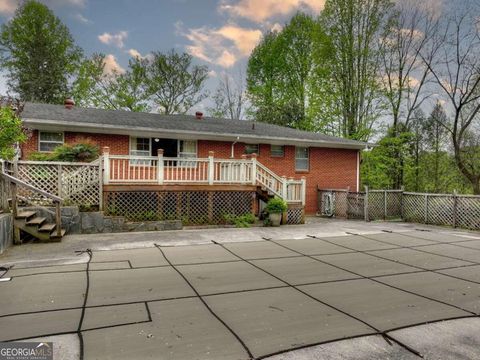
218,33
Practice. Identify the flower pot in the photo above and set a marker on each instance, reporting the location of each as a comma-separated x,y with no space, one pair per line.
275,218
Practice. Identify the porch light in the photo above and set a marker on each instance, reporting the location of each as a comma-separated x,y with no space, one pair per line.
156,139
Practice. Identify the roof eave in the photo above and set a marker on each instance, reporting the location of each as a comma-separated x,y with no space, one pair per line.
54,125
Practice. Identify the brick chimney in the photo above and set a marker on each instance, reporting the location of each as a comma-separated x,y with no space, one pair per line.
199,115
69,103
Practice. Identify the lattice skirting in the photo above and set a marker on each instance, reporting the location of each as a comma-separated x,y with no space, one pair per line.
192,207
295,215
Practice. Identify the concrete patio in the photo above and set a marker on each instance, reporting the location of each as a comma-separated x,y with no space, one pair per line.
326,290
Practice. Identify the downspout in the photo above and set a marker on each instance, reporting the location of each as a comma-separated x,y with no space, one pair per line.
358,170
233,148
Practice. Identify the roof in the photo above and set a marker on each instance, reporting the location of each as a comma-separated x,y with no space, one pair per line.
57,118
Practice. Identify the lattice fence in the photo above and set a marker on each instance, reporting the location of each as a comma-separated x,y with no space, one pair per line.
443,209
192,207
77,184
356,205
384,204
435,209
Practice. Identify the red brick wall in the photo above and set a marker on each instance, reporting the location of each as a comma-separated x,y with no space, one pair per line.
329,168
119,144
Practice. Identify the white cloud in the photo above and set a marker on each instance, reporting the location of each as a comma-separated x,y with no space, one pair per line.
222,46
112,66
260,11
276,27
114,39
243,39
8,7
136,54
226,59
79,17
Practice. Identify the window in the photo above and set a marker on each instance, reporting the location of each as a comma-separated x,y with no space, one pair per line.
140,146
48,141
277,150
187,149
252,148
301,158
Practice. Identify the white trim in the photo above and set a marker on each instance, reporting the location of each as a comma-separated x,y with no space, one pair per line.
53,125
277,156
49,142
308,159
178,147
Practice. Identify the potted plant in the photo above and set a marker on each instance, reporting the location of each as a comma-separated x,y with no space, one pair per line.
275,208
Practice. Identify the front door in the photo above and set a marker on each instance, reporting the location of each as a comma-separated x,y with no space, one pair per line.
169,146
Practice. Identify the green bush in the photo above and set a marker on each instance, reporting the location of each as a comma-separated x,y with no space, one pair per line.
11,130
276,205
242,221
79,152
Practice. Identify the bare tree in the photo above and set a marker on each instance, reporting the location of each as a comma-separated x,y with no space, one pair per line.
229,98
409,49
174,82
457,74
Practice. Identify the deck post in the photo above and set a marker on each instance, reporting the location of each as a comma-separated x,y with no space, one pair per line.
304,189
254,169
211,167
160,171
106,165
284,188
59,180
243,172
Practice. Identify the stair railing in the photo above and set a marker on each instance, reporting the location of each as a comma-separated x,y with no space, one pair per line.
14,182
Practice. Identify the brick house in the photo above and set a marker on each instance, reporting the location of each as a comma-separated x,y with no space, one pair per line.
322,161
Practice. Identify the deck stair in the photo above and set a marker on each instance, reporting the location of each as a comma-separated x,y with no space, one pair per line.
29,222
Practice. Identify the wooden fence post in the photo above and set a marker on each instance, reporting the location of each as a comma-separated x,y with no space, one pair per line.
365,205
211,167
426,209
284,188
160,167
106,165
59,180
455,209
100,186
254,169
385,205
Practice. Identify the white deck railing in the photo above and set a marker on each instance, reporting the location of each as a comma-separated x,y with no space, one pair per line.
130,169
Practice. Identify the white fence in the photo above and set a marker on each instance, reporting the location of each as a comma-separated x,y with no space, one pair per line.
76,183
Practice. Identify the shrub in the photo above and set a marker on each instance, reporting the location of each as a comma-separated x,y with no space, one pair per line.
40,156
10,131
78,152
276,205
242,221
